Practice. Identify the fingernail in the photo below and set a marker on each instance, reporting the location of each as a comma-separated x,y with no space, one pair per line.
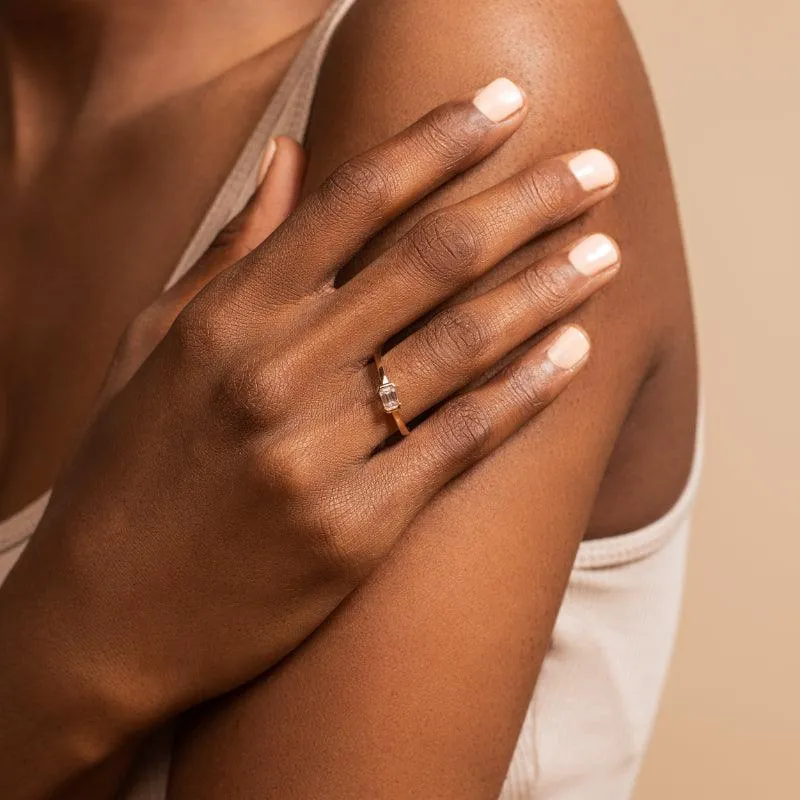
266,160
594,254
569,349
499,100
593,169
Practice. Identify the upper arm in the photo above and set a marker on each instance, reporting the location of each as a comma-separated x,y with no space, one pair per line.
419,682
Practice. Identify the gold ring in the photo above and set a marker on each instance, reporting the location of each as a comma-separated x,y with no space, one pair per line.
387,392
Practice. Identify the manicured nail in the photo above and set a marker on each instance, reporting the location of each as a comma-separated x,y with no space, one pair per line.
594,254
569,349
593,169
266,160
499,100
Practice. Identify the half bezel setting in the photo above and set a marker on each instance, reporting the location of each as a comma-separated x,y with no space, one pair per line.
387,392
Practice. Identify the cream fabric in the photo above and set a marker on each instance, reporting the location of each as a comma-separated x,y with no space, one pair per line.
590,718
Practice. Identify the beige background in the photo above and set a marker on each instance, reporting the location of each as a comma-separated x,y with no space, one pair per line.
727,77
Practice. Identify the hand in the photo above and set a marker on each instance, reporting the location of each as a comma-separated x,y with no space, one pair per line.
236,489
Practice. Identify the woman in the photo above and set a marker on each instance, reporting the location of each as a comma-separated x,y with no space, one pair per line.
418,684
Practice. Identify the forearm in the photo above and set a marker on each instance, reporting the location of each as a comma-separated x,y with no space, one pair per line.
45,740
64,714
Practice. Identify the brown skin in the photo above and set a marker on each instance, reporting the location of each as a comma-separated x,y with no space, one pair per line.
255,498
102,162
518,529
77,746
418,684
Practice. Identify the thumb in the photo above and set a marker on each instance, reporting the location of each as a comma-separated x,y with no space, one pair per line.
280,183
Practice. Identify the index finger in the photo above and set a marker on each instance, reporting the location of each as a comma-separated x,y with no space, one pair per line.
367,192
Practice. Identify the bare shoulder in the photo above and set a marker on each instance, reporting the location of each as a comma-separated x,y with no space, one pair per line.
391,60
575,58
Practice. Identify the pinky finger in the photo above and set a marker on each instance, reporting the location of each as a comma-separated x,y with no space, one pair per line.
473,424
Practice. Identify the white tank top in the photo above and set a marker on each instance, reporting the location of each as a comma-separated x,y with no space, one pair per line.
590,718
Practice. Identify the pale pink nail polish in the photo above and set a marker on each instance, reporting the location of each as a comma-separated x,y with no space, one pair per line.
569,349
499,100
266,160
594,254
593,169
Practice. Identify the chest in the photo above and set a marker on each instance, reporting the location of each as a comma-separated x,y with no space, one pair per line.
91,242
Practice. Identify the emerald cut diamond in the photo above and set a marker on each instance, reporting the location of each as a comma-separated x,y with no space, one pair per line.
387,391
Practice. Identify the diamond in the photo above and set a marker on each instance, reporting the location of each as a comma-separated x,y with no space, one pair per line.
387,391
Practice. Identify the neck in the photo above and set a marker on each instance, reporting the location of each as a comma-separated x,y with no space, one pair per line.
100,60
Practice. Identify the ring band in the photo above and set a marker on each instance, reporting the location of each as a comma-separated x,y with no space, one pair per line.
387,392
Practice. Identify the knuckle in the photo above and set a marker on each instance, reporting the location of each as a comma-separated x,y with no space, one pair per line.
444,244
231,239
456,335
250,395
548,193
341,535
547,290
530,392
357,188
203,331
444,135
466,427
228,235
293,471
